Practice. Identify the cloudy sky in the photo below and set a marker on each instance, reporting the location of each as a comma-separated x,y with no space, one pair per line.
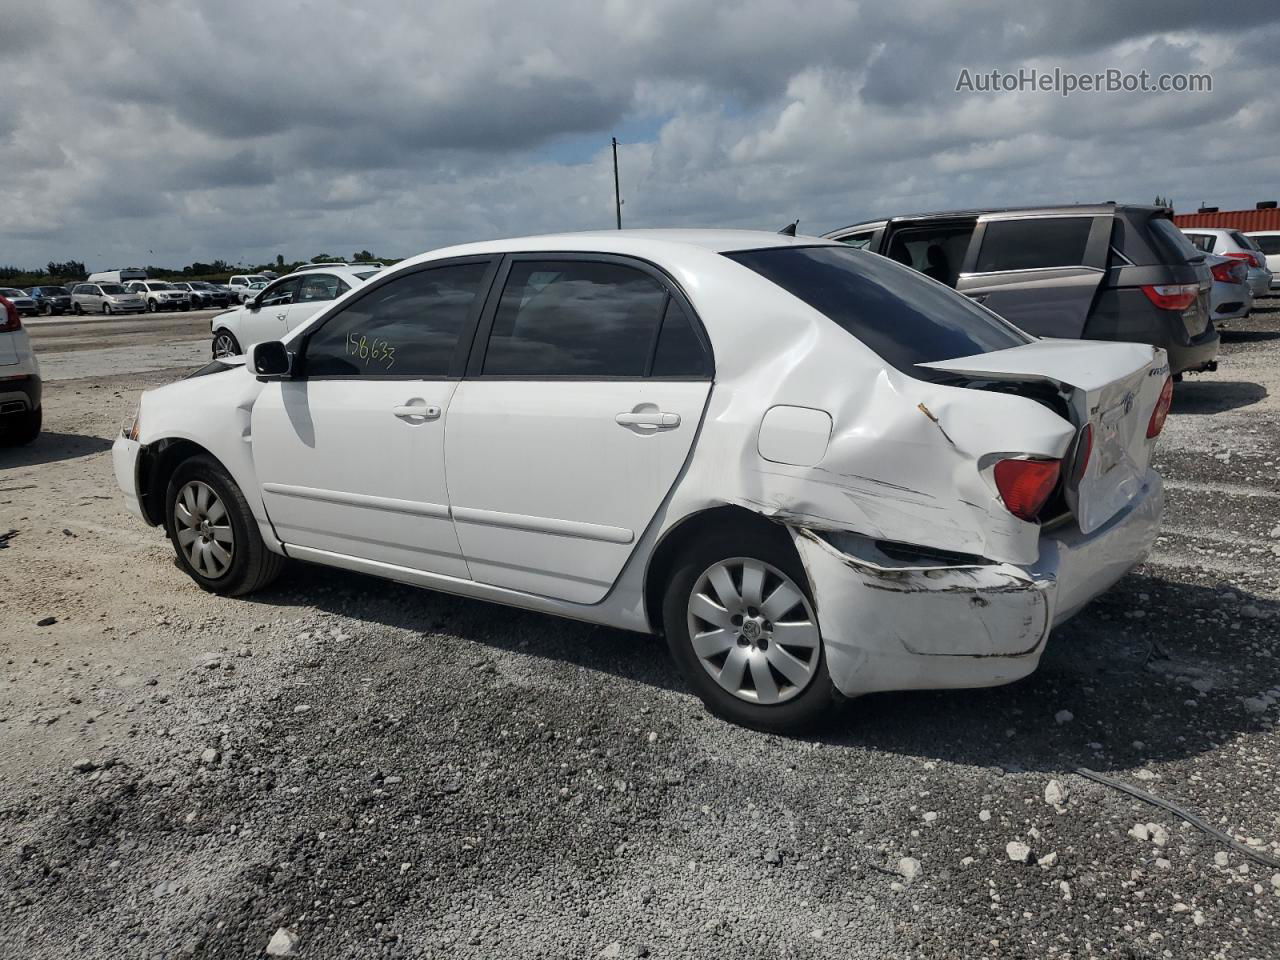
165,132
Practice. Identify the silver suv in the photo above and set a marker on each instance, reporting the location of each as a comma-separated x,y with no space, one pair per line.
160,295
105,298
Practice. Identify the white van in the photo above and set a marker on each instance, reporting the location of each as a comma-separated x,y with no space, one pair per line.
118,276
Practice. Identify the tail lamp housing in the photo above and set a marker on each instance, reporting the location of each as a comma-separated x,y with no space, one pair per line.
1172,296
1161,412
9,319
1026,485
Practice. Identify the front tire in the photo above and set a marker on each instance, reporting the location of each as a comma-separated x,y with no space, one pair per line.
741,625
213,531
151,306
225,344
77,309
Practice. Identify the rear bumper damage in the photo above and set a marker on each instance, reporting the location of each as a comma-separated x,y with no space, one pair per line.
890,624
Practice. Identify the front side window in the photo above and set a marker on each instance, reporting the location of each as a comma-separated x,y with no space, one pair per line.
280,293
1033,243
887,306
408,327
575,318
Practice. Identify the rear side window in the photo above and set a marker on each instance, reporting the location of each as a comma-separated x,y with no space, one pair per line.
1033,243
1270,245
320,286
889,307
408,327
575,318
1244,241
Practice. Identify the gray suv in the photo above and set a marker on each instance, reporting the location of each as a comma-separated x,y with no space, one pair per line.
1093,272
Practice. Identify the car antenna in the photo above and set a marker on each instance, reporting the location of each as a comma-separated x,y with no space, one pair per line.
790,229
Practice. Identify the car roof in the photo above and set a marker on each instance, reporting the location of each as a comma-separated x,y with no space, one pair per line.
342,271
641,243
1071,208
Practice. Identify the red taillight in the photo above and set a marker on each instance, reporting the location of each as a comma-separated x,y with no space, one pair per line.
1161,412
1025,485
1233,272
1172,296
1246,256
11,321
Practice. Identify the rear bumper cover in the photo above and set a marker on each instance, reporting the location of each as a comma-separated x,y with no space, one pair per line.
965,626
1197,355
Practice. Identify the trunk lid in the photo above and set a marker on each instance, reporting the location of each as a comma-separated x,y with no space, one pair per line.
1113,387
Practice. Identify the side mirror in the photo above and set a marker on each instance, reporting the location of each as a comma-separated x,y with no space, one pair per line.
271,361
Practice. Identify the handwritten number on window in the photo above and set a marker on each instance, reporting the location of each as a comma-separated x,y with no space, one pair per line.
371,350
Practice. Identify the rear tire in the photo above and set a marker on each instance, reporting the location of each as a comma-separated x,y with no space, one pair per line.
19,429
213,531
797,696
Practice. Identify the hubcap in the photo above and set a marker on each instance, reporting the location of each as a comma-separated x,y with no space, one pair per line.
204,529
753,630
223,346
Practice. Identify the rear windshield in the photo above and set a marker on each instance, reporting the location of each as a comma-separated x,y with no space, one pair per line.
1171,242
905,318
1245,241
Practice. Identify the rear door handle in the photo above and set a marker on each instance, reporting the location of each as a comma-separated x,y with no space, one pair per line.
656,420
417,411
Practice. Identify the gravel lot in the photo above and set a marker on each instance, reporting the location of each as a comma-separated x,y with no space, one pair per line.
355,768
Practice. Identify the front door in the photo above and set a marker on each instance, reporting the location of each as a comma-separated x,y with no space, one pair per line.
1040,273
264,318
579,409
350,454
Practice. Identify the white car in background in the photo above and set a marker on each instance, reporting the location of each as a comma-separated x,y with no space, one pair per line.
160,295
241,283
1230,297
1268,242
816,471
1228,242
280,306
20,385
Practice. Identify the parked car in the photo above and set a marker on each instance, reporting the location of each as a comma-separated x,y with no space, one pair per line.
23,302
1094,272
817,472
160,295
51,300
1230,297
278,308
20,409
204,295
1226,242
105,298
1268,242
241,282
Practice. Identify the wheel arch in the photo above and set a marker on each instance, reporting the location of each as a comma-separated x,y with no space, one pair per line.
156,464
673,543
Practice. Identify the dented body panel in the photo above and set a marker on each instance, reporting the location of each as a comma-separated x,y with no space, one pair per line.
906,460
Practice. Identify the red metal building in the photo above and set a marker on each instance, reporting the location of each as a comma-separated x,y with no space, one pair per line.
1242,220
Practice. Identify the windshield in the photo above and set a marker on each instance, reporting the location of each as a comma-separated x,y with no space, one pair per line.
11,292
366,275
111,288
905,318
54,292
257,279
160,286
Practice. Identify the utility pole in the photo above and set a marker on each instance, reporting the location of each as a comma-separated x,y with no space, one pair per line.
617,194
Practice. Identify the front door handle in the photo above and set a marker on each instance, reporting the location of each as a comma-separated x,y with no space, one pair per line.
979,297
417,411
656,420
281,316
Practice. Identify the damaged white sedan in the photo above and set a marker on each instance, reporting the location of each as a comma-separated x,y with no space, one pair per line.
819,473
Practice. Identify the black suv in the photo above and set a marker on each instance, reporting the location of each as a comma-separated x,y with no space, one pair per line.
51,300
1092,271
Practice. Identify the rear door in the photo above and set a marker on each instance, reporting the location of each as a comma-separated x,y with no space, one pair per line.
313,294
1040,272
350,455
583,395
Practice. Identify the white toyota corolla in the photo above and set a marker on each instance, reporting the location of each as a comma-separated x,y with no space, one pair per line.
818,472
